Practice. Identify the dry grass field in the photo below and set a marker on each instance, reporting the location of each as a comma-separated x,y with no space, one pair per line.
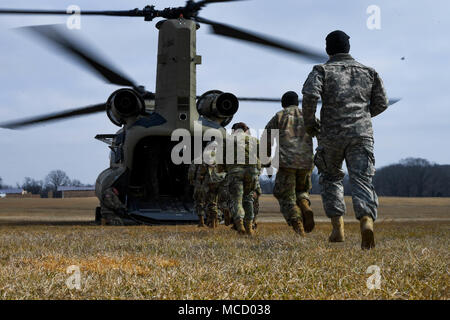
40,238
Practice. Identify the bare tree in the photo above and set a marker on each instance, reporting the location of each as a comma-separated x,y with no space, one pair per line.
32,186
55,179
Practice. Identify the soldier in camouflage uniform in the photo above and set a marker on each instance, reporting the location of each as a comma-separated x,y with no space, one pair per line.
196,175
243,173
214,177
112,208
293,180
351,95
224,201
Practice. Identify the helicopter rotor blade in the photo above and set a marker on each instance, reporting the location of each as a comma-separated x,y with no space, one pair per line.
259,99
119,13
74,48
203,3
252,99
56,116
249,36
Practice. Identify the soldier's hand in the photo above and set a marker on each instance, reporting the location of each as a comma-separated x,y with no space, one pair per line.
313,129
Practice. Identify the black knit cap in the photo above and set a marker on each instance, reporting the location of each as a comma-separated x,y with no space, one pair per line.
290,98
240,126
337,42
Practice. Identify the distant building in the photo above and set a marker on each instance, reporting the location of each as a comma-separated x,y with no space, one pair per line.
12,193
74,192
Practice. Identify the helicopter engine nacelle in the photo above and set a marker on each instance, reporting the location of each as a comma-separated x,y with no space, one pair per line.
218,106
124,104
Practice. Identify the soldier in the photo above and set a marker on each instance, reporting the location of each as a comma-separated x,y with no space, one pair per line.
196,175
293,180
243,173
214,177
224,201
112,208
351,95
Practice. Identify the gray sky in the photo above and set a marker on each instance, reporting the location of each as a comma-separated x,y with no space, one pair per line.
35,80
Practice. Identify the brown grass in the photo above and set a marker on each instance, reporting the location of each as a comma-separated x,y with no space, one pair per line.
185,262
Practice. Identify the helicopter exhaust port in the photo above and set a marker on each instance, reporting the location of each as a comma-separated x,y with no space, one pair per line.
218,106
122,105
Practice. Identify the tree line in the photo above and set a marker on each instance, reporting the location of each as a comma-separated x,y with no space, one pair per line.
53,180
410,177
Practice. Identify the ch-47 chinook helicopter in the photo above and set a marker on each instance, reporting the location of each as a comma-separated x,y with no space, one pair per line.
154,189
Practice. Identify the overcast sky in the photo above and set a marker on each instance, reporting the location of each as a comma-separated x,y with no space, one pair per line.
35,80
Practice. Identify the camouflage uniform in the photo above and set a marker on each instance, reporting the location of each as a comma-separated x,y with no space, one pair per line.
111,208
243,177
351,95
196,175
256,194
224,200
214,177
293,179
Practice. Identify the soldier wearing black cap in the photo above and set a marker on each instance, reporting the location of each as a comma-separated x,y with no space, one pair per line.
295,148
351,95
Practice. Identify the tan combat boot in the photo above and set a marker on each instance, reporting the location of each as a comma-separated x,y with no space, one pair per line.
239,224
308,215
249,227
337,235
367,238
214,223
297,225
201,222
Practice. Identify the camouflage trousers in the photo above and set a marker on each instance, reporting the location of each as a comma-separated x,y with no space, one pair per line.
199,203
210,196
360,161
242,184
223,201
291,186
112,208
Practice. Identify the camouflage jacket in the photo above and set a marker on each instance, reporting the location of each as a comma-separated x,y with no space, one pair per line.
197,173
351,94
245,153
214,172
295,145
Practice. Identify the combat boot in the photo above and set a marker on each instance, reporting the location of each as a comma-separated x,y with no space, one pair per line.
249,227
297,225
367,237
337,235
227,217
214,223
239,224
201,221
307,214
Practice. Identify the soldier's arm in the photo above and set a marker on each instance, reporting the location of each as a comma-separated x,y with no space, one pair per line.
378,100
271,125
312,91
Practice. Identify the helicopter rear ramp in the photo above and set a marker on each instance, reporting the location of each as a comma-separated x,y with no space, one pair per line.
166,210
